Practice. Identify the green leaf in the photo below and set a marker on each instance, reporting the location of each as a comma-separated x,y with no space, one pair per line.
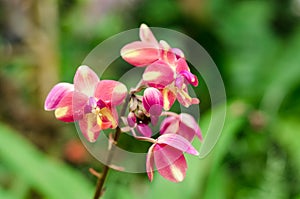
51,178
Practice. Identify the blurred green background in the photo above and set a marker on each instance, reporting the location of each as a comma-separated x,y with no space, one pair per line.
256,46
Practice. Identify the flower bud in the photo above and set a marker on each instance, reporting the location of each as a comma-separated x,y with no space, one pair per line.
131,119
153,101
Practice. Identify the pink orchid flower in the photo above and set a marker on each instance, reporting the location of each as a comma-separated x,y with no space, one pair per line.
89,101
172,80
166,68
166,154
183,124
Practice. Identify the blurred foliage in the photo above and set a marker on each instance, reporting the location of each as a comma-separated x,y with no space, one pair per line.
255,44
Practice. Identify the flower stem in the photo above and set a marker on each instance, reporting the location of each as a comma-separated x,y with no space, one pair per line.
102,177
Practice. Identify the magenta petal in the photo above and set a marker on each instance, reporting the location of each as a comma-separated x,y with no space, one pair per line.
153,101
85,80
150,163
158,75
56,94
146,35
169,125
169,162
140,54
144,129
190,77
89,127
177,142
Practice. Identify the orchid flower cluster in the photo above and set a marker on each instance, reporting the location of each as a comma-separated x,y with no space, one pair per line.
93,104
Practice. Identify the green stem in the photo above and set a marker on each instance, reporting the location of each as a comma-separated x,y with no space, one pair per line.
102,177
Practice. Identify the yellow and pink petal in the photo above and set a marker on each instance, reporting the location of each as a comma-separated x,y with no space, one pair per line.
169,98
140,53
89,127
170,162
158,75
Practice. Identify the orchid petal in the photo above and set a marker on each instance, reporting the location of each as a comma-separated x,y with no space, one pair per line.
166,53
146,35
158,75
177,142
184,98
85,80
150,163
190,77
179,54
64,110
169,125
56,94
182,65
140,54
79,105
169,98
89,127
170,162
188,127
144,129
111,91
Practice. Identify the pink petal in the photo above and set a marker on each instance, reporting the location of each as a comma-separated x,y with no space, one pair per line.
169,162
169,125
64,110
85,81
150,163
111,91
166,53
179,54
188,127
169,98
89,127
182,65
144,129
79,103
153,101
184,98
158,75
56,94
139,53
178,142
146,35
